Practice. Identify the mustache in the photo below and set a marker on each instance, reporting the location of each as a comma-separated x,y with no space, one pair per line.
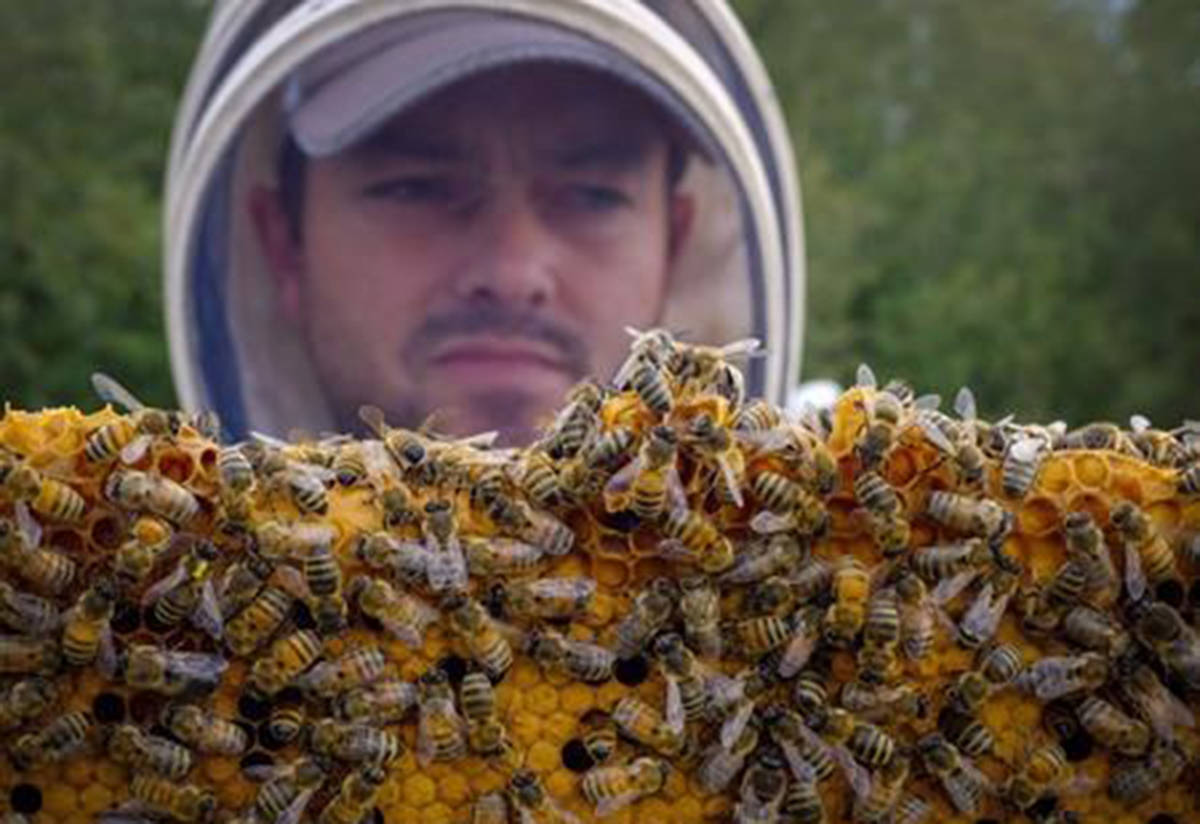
501,321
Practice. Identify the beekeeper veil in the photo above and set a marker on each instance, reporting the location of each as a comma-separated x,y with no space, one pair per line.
327,72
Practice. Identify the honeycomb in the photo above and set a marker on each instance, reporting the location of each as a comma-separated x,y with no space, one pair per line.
759,481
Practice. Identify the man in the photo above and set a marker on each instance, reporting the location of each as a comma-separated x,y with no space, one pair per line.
459,212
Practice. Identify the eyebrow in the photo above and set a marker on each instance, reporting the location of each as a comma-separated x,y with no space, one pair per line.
409,146
615,154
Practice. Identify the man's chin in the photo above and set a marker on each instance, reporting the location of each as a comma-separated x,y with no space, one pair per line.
516,415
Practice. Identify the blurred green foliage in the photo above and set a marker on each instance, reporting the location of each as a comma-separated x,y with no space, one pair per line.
999,194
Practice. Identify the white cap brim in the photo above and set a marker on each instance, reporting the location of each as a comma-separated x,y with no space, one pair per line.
347,92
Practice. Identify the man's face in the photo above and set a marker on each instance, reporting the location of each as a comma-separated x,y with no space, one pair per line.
484,251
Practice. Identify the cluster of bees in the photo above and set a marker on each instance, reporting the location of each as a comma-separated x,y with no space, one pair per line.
819,618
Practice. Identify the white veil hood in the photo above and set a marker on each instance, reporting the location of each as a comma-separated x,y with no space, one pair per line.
740,273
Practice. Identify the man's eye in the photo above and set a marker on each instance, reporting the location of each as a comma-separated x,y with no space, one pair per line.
412,189
596,198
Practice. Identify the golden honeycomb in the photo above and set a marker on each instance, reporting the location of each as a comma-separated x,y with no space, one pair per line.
544,711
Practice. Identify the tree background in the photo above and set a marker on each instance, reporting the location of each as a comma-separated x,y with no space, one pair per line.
1005,195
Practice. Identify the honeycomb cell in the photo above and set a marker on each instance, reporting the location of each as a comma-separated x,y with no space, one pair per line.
542,757
1055,476
577,699
543,699
1092,470
419,790
1038,516
95,798
60,799
1092,504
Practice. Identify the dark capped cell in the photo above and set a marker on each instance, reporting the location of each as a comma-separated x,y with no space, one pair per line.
109,708
1059,718
625,520
145,706
1043,808
126,618
632,671
371,623
152,621
575,756
25,799
1163,818
1170,592
253,708
1078,746
377,816
454,667
1194,592
302,617
255,759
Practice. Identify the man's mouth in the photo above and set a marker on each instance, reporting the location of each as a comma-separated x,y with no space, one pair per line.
499,354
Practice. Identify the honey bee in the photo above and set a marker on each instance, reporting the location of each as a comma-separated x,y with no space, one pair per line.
646,725
258,621
687,689
788,730
287,658
611,788
694,537
323,575
484,641
287,719
27,613
537,478
286,790
964,784
982,518
1041,769
650,610
1021,464
775,554
651,386
1000,664
947,562
486,734
441,732
128,436
716,444
383,702
25,700
171,672
720,764
917,614
138,750
48,497
704,369
867,742
649,484
1085,545
1113,728
876,494
700,610
234,470
20,655
1138,780
1052,677
303,483
87,633
982,617
549,599
956,441
1094,630
445,565
149,538
160,496
576,423
752,637
352,669
808,691
966,732
880,704
62,737
181,802
761,795
1149,559
886,786
355,797
806,633
501,557
1189,479
1155,445
1176,643
1099,436
788,506
581,660
349,465
354,742
533,804
490,808
403,616
47,571
399,508
204,731
406,561
847,614
188,591
758,416
1152,702
912,809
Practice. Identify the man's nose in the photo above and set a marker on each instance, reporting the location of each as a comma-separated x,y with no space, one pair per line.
513,258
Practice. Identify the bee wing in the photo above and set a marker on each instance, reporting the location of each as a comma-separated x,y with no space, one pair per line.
28,526
676,496
372,416
412,633
41,615
165,585
799,649
207,614
767,522
620,482
935,434
106,654
673,549
135,449
1135,575
744,346
1139,423
948,589
268,440
131,812
800,766
605,806
864,376
265,772
311,679
291,581
767,440
674,712
732,481
296,809
735,724
857,775
930,401
1025,449
964,404
111,391
201,666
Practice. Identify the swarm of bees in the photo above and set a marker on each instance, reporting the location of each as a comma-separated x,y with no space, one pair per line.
677,604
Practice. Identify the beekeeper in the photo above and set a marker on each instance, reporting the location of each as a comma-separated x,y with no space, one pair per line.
458,207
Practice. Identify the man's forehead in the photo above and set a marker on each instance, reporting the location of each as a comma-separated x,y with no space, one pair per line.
552,108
